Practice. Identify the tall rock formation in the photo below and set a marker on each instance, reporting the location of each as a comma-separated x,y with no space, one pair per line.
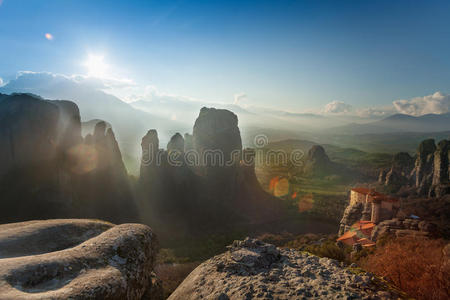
424,166
217,129
201,182
441,180
106,170
167,186
48,169
28,131
351,214
188,142
317,162
402,165
176,143
429,174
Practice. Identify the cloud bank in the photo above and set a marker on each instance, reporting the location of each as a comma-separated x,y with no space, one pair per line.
185,109
438,103
337,107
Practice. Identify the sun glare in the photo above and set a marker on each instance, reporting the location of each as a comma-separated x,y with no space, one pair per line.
96,66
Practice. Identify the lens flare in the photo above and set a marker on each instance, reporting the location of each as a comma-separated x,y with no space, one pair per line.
84,158
279,186
306,203
49,36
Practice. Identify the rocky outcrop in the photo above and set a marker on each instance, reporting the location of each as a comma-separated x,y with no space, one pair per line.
441,166
251,269
429,174
424,161
217,129
382,176
188,142
317,162
399,173
404,227
397,176
176,143
352,214
48,170
77,259
164,174
28,131
201,181
431,171
106,168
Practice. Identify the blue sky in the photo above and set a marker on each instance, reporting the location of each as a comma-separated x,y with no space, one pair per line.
294,55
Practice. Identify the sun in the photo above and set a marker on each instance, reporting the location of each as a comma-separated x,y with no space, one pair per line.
96,66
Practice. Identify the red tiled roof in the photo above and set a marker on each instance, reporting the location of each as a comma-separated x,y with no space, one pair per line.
365,242
367,226
363,225
351,235
347,235
364,191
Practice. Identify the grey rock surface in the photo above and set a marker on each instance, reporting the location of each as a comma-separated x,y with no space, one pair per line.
405,227
176,143
352,214
77,259
429,174
251,269
217,129
51,170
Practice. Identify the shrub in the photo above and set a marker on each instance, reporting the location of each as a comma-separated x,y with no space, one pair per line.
278,240
416,266
330,250
172,275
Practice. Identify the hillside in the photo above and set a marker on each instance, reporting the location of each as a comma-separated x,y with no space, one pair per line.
398,123
348,156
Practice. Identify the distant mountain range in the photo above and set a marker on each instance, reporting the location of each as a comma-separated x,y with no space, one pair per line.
398,123
170,114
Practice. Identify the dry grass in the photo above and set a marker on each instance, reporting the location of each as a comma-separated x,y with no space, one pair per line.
416,266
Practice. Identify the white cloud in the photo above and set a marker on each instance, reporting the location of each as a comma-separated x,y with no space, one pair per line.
28,80
239,98
438,103
375,112
337,107
1,80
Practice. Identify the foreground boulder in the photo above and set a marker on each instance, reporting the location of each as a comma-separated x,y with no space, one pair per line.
252,269
77,259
